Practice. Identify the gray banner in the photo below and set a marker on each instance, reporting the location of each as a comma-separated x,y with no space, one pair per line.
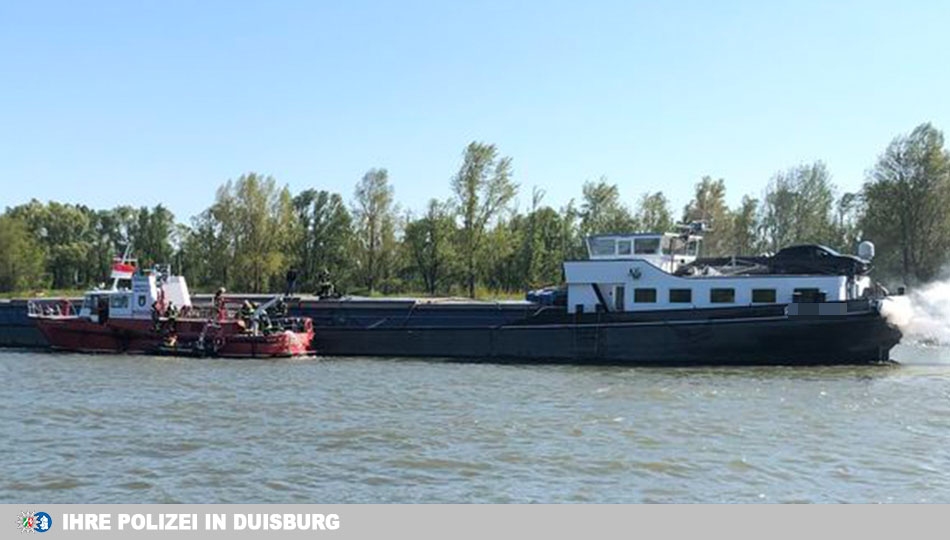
471,521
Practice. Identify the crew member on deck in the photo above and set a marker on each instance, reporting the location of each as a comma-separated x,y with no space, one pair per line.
247,311
325,288
156,317
218,303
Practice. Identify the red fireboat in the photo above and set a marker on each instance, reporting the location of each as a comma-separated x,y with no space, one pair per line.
150,312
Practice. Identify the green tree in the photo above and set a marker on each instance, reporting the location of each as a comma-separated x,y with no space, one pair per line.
323,239
653,213
22,261
151,234
264,218
483,188
429,243
602,212
570,233
207,250
532,248
548,249
709,206
907,195
745,227
65,233
243,239
848,212
375,218
798,207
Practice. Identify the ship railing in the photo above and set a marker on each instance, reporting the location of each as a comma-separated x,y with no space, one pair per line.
283,324
51,307
207,312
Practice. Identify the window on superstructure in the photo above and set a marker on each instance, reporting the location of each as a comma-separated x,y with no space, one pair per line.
681,296
722,296
623,247
644,296
120,301
668,245
692,248
603,247
646,246
763,296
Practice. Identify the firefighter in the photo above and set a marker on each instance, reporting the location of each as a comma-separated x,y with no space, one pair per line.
245,314
218,303
156,317
325,288
280,310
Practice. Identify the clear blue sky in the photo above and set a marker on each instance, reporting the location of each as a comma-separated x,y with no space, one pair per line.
106,103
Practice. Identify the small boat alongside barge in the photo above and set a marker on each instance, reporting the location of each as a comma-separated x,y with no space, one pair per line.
151,312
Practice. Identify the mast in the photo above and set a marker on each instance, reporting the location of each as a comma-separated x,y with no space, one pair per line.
122,267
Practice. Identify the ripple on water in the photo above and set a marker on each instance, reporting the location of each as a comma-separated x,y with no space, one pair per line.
55,484
135,485
740,465
664,468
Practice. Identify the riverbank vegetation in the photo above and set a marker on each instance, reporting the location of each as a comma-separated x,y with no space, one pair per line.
477,242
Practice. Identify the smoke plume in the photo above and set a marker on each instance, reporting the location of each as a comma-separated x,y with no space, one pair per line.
923,315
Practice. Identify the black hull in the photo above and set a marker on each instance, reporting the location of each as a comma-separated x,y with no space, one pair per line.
857,338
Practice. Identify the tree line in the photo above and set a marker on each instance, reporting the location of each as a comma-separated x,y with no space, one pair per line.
478,239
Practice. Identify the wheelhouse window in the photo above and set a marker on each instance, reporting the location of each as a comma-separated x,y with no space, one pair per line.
623,247
120,301
722,296
646,246
603,247
644,296
763,296
692,248
681,296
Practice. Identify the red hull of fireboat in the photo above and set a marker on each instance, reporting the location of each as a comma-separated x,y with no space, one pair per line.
139,336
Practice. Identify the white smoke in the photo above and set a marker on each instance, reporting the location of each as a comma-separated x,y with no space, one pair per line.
923,315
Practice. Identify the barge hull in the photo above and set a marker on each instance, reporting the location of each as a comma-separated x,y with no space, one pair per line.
855,339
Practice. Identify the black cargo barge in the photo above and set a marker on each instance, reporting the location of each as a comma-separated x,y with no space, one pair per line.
642,299
850,333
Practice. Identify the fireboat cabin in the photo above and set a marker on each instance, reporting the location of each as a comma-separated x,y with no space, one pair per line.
137,301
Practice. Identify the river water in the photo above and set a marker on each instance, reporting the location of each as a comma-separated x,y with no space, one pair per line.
83,428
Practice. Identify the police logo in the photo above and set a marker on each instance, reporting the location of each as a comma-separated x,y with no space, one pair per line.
31,522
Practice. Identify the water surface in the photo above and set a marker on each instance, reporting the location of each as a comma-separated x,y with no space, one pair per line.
99,428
